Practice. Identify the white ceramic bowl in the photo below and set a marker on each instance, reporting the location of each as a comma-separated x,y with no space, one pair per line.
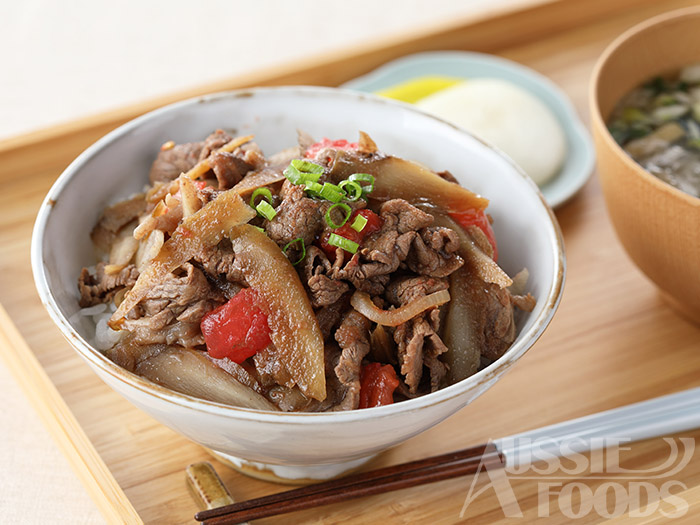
293,445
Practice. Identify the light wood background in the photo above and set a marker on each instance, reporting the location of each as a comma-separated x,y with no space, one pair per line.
612,342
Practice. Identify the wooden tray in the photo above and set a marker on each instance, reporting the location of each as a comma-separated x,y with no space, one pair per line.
612,342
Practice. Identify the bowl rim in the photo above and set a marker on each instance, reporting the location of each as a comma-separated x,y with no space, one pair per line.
597,117
94,357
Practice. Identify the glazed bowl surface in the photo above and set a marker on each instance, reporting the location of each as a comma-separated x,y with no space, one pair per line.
292,445
657,224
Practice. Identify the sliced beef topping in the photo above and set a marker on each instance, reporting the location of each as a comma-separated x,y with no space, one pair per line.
253,155
329,317
228,168
101,287
434,252
213,142
417,340
271,370
419,345
407,289
323,290
404,217
353,338
171,162
405,238
220,261
208,194
524,302
165,217
114,218
297,217
383,252
173,309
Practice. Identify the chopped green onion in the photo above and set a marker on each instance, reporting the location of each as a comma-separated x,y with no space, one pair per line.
309,177
352,189
363,177
303,249
359,223
665,99
329,215
301,171
267,194
293,174
307,166
694,143
313,187
342,242
261,230
331,192
631,115
266,210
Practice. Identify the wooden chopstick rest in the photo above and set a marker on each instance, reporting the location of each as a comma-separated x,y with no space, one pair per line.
206,486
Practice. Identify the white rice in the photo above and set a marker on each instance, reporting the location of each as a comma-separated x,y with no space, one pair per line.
93,323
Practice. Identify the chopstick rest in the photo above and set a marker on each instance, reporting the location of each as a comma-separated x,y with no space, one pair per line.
206,486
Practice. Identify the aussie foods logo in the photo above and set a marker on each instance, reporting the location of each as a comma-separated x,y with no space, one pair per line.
580,485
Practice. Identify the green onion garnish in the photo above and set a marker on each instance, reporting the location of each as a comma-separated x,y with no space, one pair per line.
329,215
331,192
307,166
313,187
309,177
259,229
293,174
303,249
267,194
363,177
359,223
352,189
266,210
342,242
301,171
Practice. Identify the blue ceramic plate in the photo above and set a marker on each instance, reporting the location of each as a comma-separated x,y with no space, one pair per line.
580,159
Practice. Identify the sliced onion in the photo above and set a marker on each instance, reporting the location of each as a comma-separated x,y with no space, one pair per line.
124,247
519,286
293,324
461,335
362,302
149,249
191,372
202,229
366,144
257,180
190,200
396,178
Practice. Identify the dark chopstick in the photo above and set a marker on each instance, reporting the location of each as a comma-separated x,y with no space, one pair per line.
429,470
346,481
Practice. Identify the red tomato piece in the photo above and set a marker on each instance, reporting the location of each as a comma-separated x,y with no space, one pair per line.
377,385
237,329
477,218
374,223
324,143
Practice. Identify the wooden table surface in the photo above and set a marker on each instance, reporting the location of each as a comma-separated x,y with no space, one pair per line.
612,342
